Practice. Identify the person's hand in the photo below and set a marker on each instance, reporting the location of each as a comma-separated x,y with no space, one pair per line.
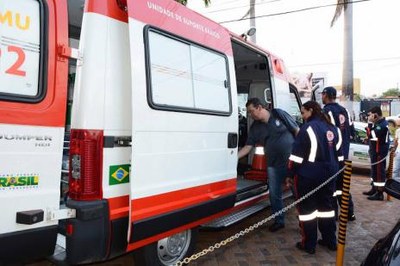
288,182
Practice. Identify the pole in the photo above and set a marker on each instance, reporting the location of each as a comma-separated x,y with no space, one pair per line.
348,72
344,210
390,169
252,15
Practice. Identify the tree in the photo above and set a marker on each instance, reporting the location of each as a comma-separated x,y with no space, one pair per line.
347,76
392,92
184,2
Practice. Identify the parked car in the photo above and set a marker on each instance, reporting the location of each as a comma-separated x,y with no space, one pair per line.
358,152
394,118
386,251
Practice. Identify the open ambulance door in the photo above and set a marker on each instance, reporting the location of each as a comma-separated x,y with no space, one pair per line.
32,118
184,125
317,92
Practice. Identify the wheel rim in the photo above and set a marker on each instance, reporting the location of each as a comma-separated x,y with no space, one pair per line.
173,248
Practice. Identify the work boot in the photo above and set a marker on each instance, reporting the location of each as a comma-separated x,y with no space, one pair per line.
330,246
275,227
351,217
377,196
370,192
301,247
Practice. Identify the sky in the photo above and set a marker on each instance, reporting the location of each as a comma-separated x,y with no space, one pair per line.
307,43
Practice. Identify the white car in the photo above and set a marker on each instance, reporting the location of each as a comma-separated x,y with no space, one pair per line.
395,118
358,152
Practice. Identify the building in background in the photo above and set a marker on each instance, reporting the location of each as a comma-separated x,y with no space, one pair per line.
356,89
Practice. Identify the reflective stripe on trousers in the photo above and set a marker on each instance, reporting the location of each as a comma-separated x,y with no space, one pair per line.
316,214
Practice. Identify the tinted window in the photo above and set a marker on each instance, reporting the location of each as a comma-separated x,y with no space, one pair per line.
185,76
360,135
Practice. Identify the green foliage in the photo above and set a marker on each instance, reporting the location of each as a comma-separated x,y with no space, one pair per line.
357,97
392,92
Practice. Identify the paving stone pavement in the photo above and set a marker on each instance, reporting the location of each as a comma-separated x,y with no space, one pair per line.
261,247
374,220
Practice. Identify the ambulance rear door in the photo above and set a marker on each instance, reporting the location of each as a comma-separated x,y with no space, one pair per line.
317,93
32,116
184,119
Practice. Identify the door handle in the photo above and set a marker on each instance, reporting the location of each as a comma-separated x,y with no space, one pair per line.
232,140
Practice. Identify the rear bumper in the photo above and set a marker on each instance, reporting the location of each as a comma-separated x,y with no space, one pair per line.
88,235
27,245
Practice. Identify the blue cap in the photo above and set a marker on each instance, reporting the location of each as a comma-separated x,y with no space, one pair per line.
330,91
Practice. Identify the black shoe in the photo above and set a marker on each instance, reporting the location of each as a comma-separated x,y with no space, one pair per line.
309,251
332,247
377,196
351,218
370,192
275,227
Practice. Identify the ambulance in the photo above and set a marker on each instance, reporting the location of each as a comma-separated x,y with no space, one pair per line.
119,128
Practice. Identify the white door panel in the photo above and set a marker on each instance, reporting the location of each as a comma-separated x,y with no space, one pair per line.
30,172
182,106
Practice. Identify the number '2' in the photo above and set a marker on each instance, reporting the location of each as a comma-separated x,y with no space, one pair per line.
14,69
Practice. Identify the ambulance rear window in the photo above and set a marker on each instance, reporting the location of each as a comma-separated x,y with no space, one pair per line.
183,76
21,50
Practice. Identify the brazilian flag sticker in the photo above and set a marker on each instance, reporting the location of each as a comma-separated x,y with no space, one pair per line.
119,174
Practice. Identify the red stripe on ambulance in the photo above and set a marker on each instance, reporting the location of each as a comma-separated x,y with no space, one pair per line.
162,203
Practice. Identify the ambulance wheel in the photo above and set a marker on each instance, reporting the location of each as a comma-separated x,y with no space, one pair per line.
167,251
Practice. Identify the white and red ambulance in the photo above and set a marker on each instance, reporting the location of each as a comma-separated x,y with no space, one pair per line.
155,90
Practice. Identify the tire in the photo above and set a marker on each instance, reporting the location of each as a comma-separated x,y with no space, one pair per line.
167,251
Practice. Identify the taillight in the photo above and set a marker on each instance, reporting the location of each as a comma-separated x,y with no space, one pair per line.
85,164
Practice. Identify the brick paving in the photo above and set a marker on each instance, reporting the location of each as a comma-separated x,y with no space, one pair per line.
262,247
265,248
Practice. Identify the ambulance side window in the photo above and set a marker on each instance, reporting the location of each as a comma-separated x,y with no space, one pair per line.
22,64
183,76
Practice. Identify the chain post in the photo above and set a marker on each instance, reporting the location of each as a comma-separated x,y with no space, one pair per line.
344,210
390,168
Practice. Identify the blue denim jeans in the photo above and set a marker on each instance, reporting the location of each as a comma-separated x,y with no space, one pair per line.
276,179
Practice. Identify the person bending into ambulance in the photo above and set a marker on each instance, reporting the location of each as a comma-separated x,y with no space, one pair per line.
339,117
315,157
275,129
378,136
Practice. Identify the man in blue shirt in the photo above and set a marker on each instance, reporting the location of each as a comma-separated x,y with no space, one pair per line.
275,129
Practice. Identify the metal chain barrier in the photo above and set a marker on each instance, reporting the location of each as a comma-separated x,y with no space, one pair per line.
251,228
371,164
